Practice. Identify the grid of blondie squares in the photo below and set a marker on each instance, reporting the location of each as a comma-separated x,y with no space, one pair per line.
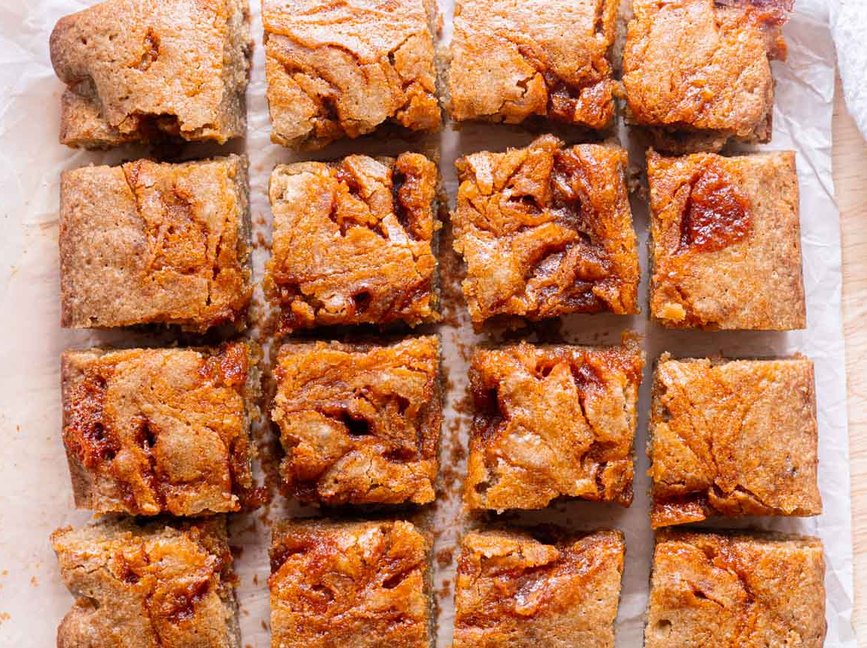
545,232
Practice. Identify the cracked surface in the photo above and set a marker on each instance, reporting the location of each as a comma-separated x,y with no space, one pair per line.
360,584
150,431
148,243
513,59
726,242
352,242
512,590
545,231
550,422
340,69
139,70
749,591
733,438
698,73
148,586
360,425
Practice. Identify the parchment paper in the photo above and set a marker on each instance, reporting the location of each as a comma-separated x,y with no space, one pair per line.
35,496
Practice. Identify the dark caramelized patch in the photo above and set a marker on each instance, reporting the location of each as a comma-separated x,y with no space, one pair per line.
717,213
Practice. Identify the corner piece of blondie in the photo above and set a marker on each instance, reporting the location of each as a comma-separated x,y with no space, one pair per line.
545,231
143,70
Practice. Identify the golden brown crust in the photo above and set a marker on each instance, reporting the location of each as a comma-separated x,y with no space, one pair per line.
748,591
545,231
142,586
360,425
733,438
512,590
147,243
697,72
551,422
352,242
138,70
726,242
359,584
150,431
342,69
513,59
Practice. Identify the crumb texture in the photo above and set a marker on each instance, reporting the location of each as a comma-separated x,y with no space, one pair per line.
513,590
352,242
746,591
726,242
546,230
360,584
698,71
340,69
360,425
148,586
551,422
733,438
140,70
514,59
147,243
150,431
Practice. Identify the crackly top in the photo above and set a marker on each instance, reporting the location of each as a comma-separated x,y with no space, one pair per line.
749,591
546,230
155,243
702,67
360,424
135,69
733,438
338,69
513,59
550,422
726,242
360,584
148,586
151,431
513,590
352,242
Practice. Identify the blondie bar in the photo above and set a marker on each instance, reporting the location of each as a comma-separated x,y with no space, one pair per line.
360,424
340,69
513,590
147,243
359,584
726,250
150,431
545,231
552,421
140,70
352,242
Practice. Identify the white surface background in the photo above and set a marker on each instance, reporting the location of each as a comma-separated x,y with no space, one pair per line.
35,497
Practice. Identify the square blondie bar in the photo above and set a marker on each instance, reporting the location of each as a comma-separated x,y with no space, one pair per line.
141,70
352,242
150,431
342,69
359,584
152,243
736,590
552,421
726,248
513,590
697,73
515,59
360,424
145,585
546,231
733,438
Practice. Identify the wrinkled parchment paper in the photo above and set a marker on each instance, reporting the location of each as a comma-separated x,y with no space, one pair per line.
35,495
848,25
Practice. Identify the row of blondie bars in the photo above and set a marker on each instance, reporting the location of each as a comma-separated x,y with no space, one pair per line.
544,231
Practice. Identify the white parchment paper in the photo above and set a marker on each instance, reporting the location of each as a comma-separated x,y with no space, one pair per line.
35,496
